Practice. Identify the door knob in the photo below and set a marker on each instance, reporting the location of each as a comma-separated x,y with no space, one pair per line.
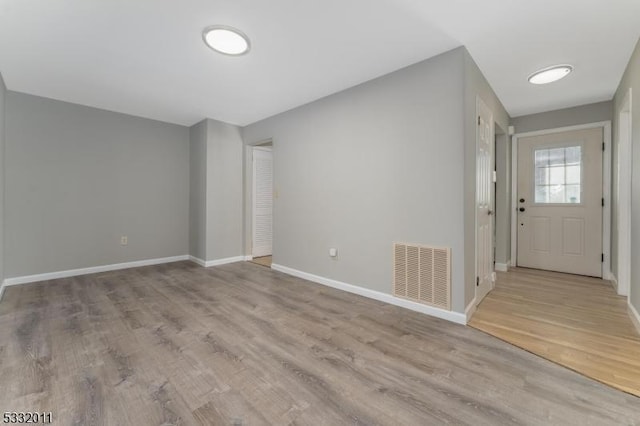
522,200
490,212
521,209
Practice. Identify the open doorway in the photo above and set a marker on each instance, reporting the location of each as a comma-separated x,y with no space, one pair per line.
262,204
502,193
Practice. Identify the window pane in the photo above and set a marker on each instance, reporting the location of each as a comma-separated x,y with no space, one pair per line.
573,154
556,156
556,194
556,175
573,175
573,193
542,157
542,175
542,194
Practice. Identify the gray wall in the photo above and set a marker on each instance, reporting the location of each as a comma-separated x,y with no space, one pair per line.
631,79
77,178
591,113
374,164
224,191
216,191
3,95
475,85
198,190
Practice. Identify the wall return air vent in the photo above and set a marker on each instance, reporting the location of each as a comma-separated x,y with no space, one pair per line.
422,274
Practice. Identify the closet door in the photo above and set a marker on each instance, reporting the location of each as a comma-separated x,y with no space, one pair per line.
262,202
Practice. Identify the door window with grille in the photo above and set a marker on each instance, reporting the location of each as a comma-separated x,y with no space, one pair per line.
558,175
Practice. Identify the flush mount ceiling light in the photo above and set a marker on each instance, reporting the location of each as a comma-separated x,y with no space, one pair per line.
226,40
550,74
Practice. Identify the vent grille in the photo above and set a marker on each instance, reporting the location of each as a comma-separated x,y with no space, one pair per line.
422,274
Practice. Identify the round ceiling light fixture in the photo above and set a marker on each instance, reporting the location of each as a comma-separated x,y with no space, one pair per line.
226,40
550,74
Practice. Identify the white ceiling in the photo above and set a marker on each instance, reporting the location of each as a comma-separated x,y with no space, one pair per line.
147,58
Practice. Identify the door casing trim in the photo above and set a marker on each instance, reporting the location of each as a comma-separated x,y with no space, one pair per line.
625,166
606,188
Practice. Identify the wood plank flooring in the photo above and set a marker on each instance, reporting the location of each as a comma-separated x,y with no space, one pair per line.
264,261
245,345
578,322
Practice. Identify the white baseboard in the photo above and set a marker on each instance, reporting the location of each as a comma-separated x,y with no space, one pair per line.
92,270
372,294
2,286
197,260
614,281
502,267
470,309
219,262
635,316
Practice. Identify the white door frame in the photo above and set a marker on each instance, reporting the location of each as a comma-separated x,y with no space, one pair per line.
625,164
606,188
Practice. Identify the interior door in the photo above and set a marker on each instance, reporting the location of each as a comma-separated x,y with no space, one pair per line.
262,201
484,204
560,202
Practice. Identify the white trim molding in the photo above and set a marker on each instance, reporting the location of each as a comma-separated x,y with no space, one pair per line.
92,270
470,309
198,261
635,316
455,317
2,286
606,188
218,262
614,281
502,267
624,183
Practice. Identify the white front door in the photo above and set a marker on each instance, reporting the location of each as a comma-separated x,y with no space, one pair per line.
262,201
559,202
484,204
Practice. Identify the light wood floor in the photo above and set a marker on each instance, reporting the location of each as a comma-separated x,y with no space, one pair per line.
264,261
243,344
578,322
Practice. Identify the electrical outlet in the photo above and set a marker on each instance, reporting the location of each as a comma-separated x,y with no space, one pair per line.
124,240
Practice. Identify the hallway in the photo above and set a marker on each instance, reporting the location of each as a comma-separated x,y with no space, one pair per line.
578,322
